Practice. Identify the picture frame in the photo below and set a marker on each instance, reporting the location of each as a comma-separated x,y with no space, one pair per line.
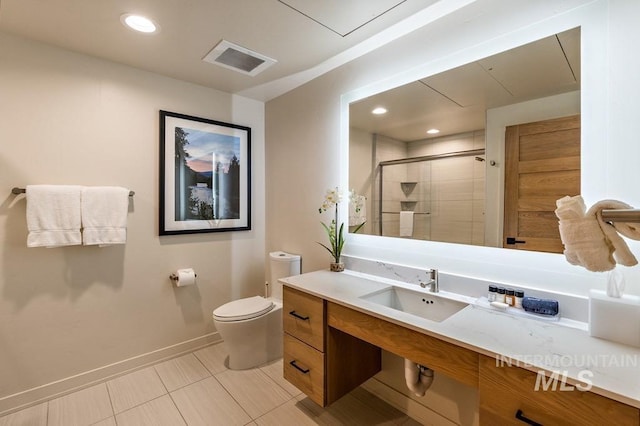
205,172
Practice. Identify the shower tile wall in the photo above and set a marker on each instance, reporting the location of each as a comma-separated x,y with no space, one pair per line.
450,190
452,200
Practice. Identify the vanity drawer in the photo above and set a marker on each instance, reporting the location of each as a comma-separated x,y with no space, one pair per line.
304,317
304,368
504,391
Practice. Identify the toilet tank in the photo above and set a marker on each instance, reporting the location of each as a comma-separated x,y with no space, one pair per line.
282,265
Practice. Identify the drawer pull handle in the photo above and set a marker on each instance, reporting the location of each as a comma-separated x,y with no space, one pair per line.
297,315
297,367
520,416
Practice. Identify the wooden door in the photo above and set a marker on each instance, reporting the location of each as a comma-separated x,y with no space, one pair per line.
542,164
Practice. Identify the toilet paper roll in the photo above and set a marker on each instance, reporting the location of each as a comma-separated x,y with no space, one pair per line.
185,277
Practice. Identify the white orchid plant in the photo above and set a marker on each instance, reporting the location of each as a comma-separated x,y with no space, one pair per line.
332,199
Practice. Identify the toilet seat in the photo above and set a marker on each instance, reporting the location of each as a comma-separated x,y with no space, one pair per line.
243,309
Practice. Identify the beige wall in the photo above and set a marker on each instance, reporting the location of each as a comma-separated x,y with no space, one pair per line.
71,119
304,129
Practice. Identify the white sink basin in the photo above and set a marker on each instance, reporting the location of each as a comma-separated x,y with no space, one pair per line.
423,304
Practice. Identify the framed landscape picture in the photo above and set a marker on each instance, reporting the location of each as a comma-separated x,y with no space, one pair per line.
204,175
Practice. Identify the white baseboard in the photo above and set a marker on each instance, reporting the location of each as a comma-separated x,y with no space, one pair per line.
39,394
406,405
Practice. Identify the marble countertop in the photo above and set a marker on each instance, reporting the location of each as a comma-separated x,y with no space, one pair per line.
610,368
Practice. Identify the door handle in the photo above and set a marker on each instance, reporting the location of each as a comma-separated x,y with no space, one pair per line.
512,240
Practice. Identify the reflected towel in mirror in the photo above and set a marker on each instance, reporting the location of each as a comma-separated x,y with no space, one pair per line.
406,224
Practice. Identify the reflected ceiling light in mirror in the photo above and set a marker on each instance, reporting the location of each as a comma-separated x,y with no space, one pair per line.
379,111
139,23
433,131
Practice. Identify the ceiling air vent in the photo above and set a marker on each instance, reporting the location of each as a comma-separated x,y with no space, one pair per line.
238,58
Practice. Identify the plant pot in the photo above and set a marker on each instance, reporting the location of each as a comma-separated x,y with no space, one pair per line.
336,266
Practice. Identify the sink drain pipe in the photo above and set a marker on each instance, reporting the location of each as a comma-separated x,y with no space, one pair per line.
418,377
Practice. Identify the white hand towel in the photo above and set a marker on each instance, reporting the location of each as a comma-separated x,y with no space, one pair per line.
104,215
406,224
53,215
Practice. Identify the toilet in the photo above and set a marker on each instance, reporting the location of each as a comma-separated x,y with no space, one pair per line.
252,327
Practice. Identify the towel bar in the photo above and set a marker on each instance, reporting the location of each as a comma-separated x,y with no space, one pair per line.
399,213
622,215
17,191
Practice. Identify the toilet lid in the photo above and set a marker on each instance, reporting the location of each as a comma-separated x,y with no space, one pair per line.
243,309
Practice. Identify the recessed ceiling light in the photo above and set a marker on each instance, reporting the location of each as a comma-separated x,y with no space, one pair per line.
433,131
379,111
139,23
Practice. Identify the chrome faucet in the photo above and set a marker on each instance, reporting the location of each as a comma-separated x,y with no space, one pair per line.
434,287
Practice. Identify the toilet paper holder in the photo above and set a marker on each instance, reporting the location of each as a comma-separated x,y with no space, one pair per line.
174,277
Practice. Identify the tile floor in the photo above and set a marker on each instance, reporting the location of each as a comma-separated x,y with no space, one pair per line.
197,389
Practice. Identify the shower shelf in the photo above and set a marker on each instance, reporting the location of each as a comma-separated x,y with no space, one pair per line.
408,205
408,187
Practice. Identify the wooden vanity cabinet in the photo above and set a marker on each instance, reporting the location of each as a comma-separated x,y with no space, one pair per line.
508,392
330,349
324,363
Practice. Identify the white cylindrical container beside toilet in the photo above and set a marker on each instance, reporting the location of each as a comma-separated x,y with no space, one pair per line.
252,327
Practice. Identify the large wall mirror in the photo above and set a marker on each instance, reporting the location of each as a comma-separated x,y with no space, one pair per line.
434,159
